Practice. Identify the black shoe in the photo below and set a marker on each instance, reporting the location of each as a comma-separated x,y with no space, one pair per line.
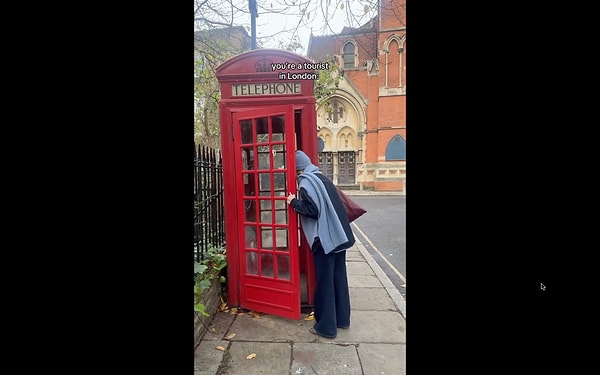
314,332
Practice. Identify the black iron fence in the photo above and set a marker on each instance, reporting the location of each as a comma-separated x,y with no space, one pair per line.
209,217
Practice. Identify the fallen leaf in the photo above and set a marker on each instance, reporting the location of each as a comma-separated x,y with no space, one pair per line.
213,329
233,311
223,305
219,347
310,317
250,356
229,337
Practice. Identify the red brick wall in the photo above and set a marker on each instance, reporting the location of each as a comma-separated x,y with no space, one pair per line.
384,186
390,186
393,111
393,13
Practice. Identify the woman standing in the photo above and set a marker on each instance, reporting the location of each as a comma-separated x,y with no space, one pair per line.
327,230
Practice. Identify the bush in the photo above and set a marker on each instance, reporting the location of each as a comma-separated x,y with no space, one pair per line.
205,272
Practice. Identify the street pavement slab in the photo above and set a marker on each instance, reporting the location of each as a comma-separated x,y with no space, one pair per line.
370,299
270,328
383,359
207,358
358,268
319,359
364,281
372,327
268,358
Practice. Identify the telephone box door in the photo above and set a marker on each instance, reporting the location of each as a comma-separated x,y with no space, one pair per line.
264,147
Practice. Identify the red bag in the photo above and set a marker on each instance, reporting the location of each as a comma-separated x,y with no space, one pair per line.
353,210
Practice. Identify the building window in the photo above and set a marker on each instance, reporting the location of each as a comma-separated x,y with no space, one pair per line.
396,149
349,55
336,113
393,71
395,61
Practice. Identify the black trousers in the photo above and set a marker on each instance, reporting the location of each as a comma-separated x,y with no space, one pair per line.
332,297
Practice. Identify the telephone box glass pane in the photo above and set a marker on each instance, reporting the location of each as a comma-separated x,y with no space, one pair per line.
246,127
266,238
247,158
280,217
280,205
266,265
262,130
283,267
250,234
278,124
249,210
278,158
251,263
265,183
266,217
281,239
249,188
264,161
279,181
265,205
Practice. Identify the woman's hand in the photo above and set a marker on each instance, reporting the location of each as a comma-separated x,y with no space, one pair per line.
290,197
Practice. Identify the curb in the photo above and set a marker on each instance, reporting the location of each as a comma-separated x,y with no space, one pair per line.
374,192
387,284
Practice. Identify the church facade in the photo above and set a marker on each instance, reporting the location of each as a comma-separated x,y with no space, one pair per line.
362,130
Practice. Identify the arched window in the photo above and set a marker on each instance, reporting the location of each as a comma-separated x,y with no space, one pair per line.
394,64
395,61
349,55
337,112
396,149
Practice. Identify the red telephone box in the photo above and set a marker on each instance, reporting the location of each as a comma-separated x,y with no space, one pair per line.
267,112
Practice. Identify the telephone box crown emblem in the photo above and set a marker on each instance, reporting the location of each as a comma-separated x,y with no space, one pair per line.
263,65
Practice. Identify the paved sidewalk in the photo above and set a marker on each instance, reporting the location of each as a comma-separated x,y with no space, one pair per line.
375,343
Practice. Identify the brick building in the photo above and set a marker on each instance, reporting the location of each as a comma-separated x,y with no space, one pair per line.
362,137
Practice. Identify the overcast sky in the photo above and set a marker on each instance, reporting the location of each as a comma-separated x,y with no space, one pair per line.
278,19
267,23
